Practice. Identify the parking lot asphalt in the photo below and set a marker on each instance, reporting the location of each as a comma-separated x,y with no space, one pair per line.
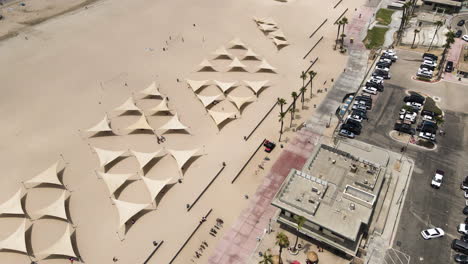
424,207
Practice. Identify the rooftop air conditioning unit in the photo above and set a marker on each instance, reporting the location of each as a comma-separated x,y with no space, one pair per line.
352,206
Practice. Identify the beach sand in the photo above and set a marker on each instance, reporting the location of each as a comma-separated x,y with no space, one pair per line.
73,69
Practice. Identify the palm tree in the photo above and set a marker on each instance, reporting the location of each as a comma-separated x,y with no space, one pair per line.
303,77
339,23
292,116
404,20
448,43
294,96
342,40
281,119
344,22
303,91
300,220
312,76
267,258
283,242
281,102
438,25
416,31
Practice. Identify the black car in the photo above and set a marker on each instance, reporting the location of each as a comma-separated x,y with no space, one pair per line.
414,98
404,128
378,86
427,67
464,238
464,184
354,123
363,115
364,98
384,64
465,210
449,66
430,56
458,33
351,128
269,146
381,73
427,112
460,258
461,23
388,56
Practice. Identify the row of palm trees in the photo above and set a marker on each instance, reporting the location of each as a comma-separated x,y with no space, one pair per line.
282,241
438,24
294,95
408,11
341,25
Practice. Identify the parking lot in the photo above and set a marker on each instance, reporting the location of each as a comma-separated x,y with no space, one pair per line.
424,206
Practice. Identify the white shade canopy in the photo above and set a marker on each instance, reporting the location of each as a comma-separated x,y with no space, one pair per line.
114,181
128,105
152,90
221,52
207,100
12,205
155,186
127,210
206,65
280,43
278,34
237,43
174,124
220,117
269,21
48,176
144,157
251,55
56,208
102,126
236,64
17,240
62,246
182,156
267,27
225,86
141,124
161,107
107,156
196,85
256,85
240,101
265,66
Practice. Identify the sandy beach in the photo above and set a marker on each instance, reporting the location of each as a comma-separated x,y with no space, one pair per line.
62,77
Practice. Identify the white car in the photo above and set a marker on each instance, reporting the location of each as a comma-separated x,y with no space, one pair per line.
463,229
428,118
409,117
370,90
425,71
432,233
376,79
427,135
415,105
390,51
465,37
382,68
429,63
385,60
356,118
466,194
437,179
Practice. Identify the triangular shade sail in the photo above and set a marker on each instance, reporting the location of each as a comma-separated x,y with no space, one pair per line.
55,208
240,101
206,65
127,210
114,181
265,66
256,85
142,124
237,43
144,157
267,28
280,43
62,246
102,126
155,186
236,64
196,85
182,156
219,117
161,107
251,55
16,241
225,86
107,156
128,105
278,34
174,124
152,90
207,100
269,21
12,205
47,176
221,52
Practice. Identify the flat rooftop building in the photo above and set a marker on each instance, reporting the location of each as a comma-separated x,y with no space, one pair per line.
336,193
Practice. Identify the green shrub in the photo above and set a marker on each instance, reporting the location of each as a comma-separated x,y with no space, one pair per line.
430,105
384,16
375,38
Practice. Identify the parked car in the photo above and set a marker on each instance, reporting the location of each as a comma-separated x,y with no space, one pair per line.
465,210
414,97
269,146
378,86
360,113
347,133
351,128
465,37
376,79
437,179
364,98
393,58
432,233
424,75
427,118
404,128
383,74
354,123
429,63
427,135
430,56
460,246
458,33
383,64
424,71
415,105
427,67
370,90
461,23
409,116
463,229
358,107
460,258
386,59
356,117
449,66
464,184
427,112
